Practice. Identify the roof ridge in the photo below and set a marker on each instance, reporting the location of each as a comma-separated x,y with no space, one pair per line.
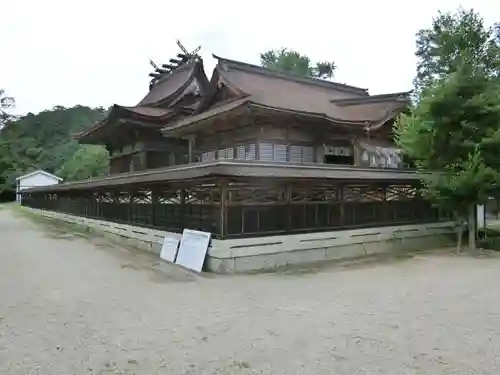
29,174
380,98
193,67
290,76
180,68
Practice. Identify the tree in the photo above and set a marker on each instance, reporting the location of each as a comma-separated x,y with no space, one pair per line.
454,133
6,102
88,161
453,130
440,48
42,141
290,61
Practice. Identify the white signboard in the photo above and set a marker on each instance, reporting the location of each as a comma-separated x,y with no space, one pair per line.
193,249
169,249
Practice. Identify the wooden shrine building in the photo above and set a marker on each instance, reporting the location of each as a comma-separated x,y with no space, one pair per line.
248,152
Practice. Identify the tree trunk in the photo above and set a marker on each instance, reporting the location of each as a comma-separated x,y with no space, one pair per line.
472,226
460,233
458,220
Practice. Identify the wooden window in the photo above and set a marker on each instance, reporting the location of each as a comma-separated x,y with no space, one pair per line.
224,154
343,155
240,152
301,154
280,152
250,153
246,152
307,154
296,154
266,151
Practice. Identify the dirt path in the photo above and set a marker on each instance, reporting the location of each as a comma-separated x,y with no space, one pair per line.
68,306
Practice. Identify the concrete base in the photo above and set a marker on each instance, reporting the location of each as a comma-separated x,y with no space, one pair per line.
268,253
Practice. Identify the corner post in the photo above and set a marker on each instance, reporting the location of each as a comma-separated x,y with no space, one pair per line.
223,209
288,208
182,203
191,141
341,202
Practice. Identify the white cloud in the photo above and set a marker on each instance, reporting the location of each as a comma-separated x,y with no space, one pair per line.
96,52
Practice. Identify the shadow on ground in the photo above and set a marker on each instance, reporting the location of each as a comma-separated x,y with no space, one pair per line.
130,257
135,259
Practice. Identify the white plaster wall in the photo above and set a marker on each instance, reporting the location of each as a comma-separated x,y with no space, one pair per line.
37,179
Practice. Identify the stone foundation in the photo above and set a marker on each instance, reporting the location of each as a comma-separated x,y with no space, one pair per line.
267,253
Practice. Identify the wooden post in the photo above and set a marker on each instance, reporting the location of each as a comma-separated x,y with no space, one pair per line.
387,219
223,209
154,199
341,200
288,210
190,149
182,202
131,194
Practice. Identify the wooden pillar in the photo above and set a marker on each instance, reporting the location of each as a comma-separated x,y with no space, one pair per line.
288,208
154,199
131,194
387,215
341,200
257,143
223,209
190,149
182,202
357,152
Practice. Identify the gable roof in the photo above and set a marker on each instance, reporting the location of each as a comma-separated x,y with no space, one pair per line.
228,64
317,97
39,171
168,87
256,86
155,107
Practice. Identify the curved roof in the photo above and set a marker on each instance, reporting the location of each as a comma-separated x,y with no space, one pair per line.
308,95
172,84
149,114
261,87
228,64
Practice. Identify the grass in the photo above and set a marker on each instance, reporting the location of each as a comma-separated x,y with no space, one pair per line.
56,227
8,205
491,240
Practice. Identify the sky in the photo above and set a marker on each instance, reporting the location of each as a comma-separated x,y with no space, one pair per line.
96,53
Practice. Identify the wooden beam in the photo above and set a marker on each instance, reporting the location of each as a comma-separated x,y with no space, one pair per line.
161,71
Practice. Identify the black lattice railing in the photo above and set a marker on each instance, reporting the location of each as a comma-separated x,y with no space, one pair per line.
239,209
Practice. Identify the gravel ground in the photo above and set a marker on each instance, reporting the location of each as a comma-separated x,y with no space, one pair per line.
70,305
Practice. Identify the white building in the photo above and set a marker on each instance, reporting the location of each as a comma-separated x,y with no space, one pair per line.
33,179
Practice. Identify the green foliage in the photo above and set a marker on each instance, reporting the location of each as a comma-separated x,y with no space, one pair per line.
6,103
88,161
289,61
42,141
455,39
454,129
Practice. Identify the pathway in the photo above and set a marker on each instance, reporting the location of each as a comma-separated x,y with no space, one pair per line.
73,306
